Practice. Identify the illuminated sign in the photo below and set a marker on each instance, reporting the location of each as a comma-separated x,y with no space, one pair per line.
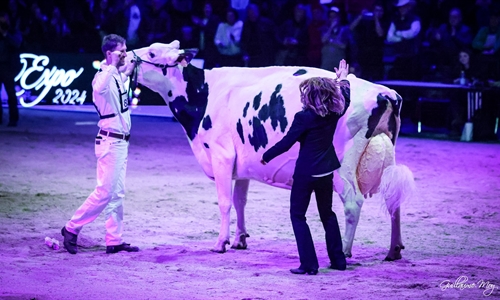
65,79
65,82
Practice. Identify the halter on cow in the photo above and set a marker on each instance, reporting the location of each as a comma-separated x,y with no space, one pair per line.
231,115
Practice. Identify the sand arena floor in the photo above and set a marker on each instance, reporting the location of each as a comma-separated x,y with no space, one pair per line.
451,230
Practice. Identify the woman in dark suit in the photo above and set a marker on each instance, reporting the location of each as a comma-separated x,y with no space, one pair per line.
325,100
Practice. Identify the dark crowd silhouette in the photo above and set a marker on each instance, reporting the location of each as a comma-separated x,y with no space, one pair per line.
431,40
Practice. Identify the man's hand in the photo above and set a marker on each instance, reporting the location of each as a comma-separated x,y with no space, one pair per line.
114,58
343,70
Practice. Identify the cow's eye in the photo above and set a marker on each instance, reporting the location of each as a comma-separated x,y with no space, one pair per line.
151,54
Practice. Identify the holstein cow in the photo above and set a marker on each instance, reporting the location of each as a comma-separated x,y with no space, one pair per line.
231,115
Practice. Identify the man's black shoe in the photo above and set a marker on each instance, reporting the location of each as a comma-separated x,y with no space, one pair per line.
300,271
69,240
122,247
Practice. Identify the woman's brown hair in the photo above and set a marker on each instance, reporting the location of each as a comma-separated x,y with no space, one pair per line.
322,95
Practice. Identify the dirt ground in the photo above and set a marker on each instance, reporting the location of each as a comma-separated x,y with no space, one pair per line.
451,230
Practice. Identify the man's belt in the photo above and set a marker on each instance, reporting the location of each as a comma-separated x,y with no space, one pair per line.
121,136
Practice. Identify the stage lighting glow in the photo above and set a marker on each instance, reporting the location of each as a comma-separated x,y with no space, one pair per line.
137,92
96,64
135,101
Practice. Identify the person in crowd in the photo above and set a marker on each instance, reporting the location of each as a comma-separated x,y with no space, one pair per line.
292,39
325,100
187,38
155,24
111,149
314,32
60,33
37,28
10,44
487,44
257,39
227,39
205,28
338,41
403,37
449,38
127,20
369,29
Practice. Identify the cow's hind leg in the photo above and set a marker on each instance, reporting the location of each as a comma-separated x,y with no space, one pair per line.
396,240
397,186
239,201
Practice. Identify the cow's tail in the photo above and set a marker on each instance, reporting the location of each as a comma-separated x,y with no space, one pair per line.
397,186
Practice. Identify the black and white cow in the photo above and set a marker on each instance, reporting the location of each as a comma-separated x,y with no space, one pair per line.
232,115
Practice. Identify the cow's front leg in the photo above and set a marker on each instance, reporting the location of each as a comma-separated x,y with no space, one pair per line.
352,209
396,240
239,201
223,173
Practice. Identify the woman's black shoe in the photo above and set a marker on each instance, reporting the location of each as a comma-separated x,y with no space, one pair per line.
300,271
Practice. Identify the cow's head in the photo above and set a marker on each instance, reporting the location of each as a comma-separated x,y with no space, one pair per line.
159,67
165,69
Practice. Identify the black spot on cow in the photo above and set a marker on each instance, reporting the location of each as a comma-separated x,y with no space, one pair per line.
277,110
259,138
189,112
207,123
264,113
256,101
378,112
300,72
245,110
206,145
170,93
239,129
250,122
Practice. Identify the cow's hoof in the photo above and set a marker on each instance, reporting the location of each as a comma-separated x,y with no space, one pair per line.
221,248
240,242
394,254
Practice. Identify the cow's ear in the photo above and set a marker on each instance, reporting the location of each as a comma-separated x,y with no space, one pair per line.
187,55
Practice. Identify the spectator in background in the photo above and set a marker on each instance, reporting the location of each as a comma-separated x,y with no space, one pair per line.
103,17
487,39
205,28
127,21
292,39
314,32
180,12
369,29
487,44
227,39
338,42
257,39
447,40
19,15
474,72
10,44
155,24
36,31
187,39
403,37
482,13
59,32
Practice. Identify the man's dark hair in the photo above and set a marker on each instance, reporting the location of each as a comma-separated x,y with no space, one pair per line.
110,42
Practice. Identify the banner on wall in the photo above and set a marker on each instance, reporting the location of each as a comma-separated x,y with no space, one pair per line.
63,79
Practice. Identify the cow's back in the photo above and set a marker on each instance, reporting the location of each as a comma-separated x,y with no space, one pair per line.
256,107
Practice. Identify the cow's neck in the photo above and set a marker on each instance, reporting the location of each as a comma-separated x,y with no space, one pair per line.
189,112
